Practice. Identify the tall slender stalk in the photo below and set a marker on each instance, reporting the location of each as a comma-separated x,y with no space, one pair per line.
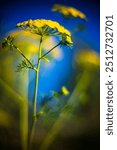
35,94
40,56
37,78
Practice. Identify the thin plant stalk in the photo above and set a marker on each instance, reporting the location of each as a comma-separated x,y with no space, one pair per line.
35,94
50,50
40,56
37,78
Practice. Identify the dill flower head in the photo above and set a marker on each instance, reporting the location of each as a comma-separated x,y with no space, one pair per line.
47,28
69,12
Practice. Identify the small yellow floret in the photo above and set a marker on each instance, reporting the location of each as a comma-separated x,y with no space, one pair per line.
64,91
68,40
88,58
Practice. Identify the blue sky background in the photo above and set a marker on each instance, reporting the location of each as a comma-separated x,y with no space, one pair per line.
12,12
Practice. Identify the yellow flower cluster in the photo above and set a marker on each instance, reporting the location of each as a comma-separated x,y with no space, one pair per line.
44,23
47,28
69,11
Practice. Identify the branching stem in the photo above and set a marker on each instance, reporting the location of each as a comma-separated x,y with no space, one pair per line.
40,56
50,50
35,94
32,66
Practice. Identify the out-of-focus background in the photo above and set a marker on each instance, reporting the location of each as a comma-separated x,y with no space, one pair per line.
67,122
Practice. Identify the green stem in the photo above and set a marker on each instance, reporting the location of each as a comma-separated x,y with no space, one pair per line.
37,78
40,56
35,94
32,67
50,50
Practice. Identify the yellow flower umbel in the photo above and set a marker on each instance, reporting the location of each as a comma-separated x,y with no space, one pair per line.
69,12
47,28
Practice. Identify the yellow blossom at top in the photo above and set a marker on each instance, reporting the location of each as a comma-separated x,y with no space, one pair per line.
47,28
44,23
69,12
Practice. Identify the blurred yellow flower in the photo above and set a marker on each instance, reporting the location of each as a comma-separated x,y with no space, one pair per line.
18,32
64,91
26,41
33,48
88,58
40,113
6,119
69,12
